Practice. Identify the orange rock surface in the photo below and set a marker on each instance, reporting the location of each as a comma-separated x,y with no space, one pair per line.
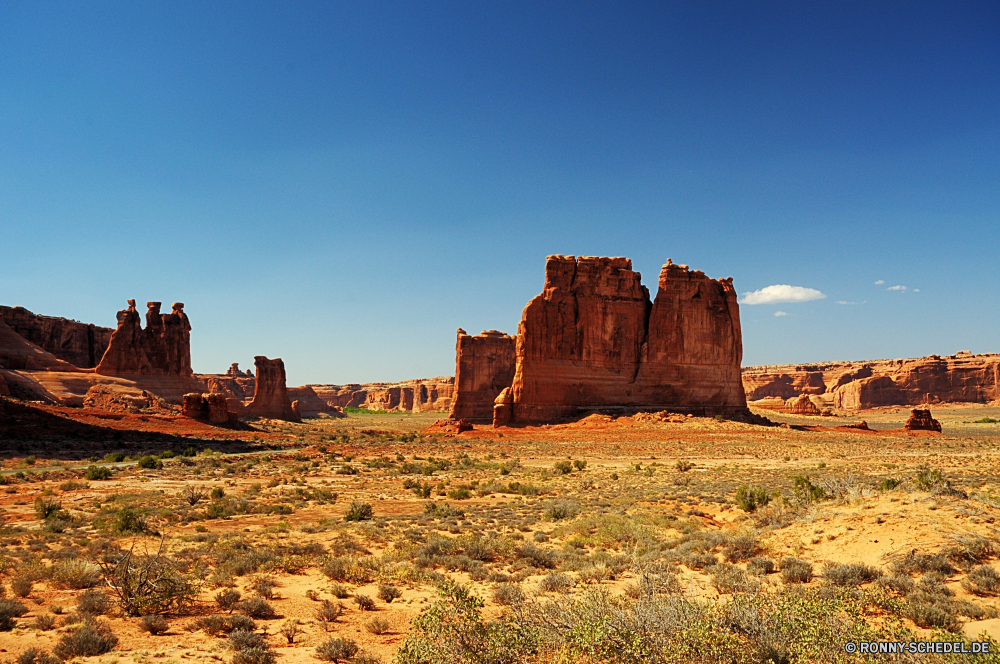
270,392
420,395
962,377
593,341
163,348
921,420
484,366
80,344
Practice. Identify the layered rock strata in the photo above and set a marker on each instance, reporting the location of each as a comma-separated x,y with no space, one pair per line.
210,407
270,392
921,420
963,377
592,340
421,395
163,348
484,366
80,344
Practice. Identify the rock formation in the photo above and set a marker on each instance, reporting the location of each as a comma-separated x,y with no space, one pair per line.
270,397
235,384
593,341
800,405
421,395
210,407
962,377
484,366
17,353
921,420
310,404
79,344
162,349
4,390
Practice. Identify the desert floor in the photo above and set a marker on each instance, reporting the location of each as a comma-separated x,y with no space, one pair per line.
522,516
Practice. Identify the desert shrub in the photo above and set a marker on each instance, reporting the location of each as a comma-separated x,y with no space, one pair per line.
538,557
453,630
508,594
760,566
328,613
555,582
459,493
150,463
888,484
728,579
217,493
256,607
242,640
21,586
93,603
211,625
563,467
45,621
75,574
699,560
794,570
982,580
192,495
364,602
36,656
898,583
264,586
540,536
562,509
741,546
750,498
358,511
72,485
377,626
90,639
336,649
149,583
10,609
290,629
128,521
805,490
227,599
114,457
683,466
259,655
240,621
850,574
922,563
929,613
340,591
312,594
154,623
98,473
969,551
387,593
928,479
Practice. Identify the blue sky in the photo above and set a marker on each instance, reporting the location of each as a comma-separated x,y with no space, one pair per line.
344,184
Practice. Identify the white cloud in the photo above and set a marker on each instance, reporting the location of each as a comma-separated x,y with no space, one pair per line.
916,290
880,282
780,313
898,288
845,302
782,293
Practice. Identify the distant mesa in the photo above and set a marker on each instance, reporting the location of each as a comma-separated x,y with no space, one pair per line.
848,386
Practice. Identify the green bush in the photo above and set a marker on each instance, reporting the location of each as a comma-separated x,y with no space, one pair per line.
750,498
97,473
358,511
460,493
387,593
806,491
128,521
150,463
888,484
563,467
189,452
579,464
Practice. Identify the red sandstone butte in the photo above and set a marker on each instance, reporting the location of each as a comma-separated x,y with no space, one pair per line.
162,349
921,420
962,377
80,344
270,397
593,341
484,366
209,407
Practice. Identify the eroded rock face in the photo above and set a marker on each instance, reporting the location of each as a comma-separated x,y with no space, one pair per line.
962,377
921,420
421,395
212,408
484,366
593,341
163,348
17,353
270,392
79,344
4,390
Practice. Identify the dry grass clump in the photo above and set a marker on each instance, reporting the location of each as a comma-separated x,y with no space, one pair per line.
760,566
89,639
328,613
794,570
850,574
75,574
256,607
377,626
982,580
508,594
336,649
154,623
387,593
36,656
228,599
10,609
93,603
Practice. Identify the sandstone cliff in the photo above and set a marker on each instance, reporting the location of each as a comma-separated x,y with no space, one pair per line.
79,344
484,366
235,384
17,353
162,349
420,395
962,377
592,340
270,392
